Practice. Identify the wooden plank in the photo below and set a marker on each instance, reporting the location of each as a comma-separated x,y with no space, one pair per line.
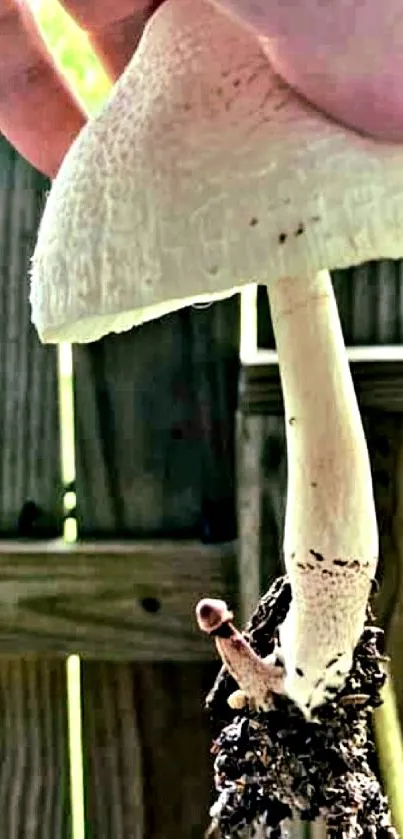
262,474
34,773
155,428
176,740
378,385
130,601
30,478
113,755
149,771
155,458
384,433
249,494
390,500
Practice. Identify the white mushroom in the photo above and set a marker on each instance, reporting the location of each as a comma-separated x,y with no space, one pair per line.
204,173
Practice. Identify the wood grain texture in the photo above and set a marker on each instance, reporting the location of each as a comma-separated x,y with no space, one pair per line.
131,601
370,303
34,769
250,431
155,428
155,457
30,478
378,385
384,434
177,766
113,759
392,601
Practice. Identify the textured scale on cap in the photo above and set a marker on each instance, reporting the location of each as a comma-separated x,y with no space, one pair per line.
203,173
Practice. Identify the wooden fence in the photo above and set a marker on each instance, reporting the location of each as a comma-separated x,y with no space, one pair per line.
155,506
154,455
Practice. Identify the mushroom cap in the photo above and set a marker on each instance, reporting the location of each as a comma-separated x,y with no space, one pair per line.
204,173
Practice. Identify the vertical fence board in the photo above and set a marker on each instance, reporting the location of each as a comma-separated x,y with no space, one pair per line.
388,472
112,757
154,428
34,768
176,741
30,488
155,411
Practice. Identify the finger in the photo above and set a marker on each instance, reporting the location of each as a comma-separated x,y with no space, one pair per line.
38,113
114,28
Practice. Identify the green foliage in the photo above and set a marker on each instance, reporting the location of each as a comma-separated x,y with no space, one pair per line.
73,54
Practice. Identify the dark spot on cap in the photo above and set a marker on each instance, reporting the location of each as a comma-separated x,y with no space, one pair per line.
340,562
253,222
291,421
282,238
300,230
299,672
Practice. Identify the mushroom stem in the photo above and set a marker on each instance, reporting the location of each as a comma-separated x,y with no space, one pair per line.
331,537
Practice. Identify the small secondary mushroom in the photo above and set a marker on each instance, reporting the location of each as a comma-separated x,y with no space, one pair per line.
257,677
205,173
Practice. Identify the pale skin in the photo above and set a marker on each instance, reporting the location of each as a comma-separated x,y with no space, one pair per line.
344,57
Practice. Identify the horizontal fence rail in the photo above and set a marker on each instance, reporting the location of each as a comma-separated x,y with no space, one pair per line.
378,385
132,601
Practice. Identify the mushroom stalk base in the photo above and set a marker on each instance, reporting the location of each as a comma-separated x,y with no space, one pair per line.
274,765
331,538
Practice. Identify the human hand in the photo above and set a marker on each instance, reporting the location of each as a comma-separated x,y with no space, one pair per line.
39,113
